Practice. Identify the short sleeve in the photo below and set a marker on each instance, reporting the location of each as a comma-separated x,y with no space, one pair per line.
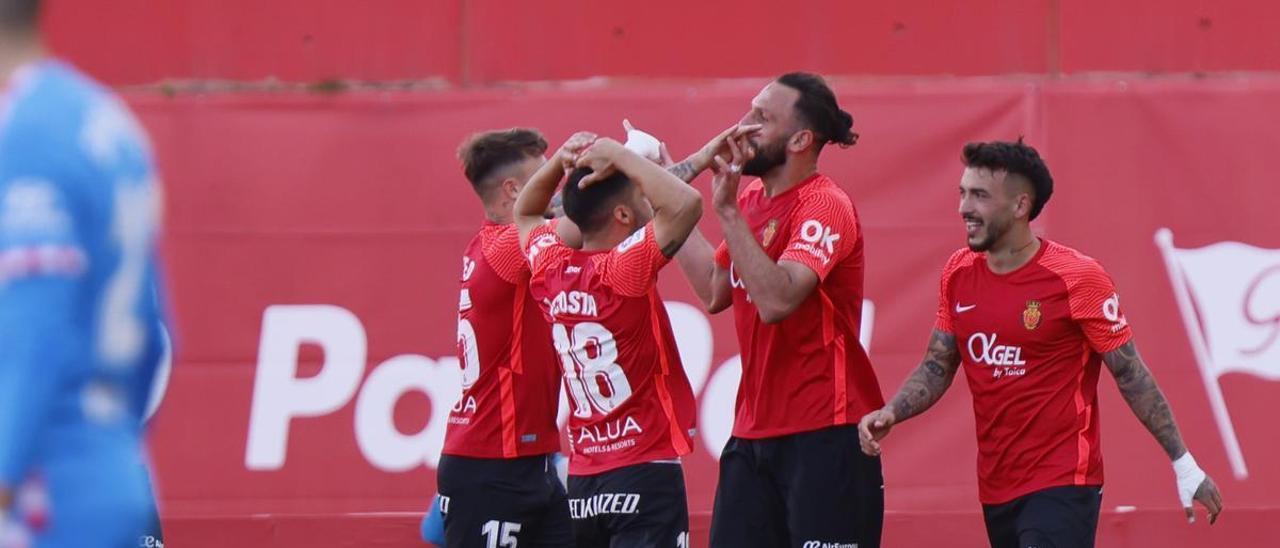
632,267
824,230
944,321
541,239
1095,307
501,250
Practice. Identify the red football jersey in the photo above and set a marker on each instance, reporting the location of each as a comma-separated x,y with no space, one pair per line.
506,362
630,399
808,371
1031,342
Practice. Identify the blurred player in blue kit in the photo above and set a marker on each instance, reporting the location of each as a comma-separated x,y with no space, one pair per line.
80,313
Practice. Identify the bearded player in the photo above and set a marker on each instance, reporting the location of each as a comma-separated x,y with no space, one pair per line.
792,269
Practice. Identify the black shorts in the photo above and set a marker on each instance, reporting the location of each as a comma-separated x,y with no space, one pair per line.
502,503
1057,517
639,506
806,490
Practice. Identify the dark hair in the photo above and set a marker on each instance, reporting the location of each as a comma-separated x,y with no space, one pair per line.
19,14
485,153
590,207
1015,159
818,109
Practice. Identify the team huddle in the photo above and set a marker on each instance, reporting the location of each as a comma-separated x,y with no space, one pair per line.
559,295
567,300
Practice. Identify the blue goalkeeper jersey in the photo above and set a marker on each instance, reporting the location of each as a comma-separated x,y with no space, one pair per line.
79,301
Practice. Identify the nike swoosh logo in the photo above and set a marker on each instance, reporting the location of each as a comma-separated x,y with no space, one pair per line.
963,309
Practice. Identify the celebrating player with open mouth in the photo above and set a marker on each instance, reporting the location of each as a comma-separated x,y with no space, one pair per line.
633,408
1032,321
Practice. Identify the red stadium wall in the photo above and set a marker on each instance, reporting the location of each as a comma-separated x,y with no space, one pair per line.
478,42
353,202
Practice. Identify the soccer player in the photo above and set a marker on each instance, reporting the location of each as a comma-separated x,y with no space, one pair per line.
495,477
633,408
79,318
1032,321
792,268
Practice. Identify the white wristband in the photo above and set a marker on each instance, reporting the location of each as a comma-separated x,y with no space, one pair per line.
1190,476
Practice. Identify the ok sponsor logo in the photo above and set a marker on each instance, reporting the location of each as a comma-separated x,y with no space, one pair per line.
1111,311
985,349
818,240
815,233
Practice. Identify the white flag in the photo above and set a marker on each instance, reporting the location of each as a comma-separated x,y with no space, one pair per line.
1229,295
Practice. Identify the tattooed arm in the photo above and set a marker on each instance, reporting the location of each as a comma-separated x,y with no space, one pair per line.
921,390
689,169
697,256
1148,403
1145,398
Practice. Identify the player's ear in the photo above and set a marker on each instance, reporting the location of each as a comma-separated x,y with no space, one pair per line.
623,214
800,140
1022,205
510,187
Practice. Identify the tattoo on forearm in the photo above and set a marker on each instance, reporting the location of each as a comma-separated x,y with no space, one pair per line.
929,381
684,171
1144,397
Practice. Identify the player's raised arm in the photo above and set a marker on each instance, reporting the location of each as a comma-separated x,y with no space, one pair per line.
776,288
922,389
692,166
697,257
1140,391
676,206
531,205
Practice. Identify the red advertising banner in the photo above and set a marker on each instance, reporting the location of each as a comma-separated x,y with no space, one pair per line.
313,246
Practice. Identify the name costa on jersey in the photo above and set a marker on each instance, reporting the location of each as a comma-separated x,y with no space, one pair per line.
629,399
